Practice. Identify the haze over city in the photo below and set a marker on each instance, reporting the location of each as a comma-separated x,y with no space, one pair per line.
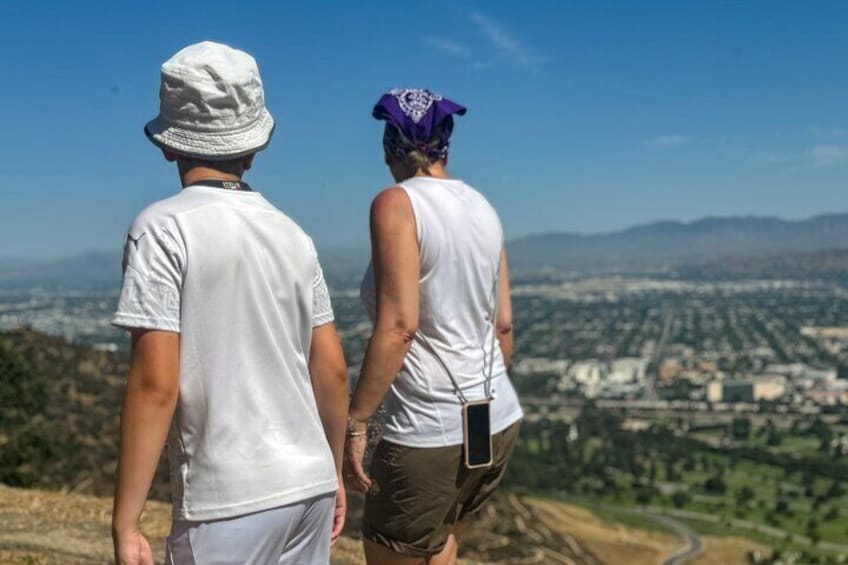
582,117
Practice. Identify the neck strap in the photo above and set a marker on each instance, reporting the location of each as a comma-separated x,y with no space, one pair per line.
225,184
488,368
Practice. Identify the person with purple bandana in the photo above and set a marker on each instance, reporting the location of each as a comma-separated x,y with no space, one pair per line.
437,290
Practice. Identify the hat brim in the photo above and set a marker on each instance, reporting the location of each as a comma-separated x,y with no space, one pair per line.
211,146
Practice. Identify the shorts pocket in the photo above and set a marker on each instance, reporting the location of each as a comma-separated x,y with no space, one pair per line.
178,548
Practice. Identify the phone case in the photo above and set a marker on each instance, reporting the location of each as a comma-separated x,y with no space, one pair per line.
467,436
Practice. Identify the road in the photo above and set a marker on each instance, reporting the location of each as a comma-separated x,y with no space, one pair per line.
653,367
770,531
692,547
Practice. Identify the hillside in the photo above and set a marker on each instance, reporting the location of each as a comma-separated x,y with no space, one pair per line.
47,528
62,429
61,432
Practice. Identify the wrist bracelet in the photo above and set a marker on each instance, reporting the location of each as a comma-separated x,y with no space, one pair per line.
354,429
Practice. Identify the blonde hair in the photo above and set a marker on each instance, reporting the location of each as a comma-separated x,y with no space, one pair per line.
418,160
419,157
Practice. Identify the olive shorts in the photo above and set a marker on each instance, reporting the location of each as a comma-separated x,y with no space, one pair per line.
418,494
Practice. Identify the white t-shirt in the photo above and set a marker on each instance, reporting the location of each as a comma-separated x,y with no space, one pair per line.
459,242
241,283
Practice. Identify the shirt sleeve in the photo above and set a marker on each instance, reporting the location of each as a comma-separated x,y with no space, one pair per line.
153,274
322,309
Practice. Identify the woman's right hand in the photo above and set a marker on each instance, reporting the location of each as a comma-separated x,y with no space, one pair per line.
353,473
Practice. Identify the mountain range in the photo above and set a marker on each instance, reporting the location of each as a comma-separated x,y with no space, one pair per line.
673,245
658,246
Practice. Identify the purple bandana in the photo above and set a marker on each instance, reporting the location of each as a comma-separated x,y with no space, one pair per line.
413,117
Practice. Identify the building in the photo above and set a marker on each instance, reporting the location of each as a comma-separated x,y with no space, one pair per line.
737,391
714,391
769,388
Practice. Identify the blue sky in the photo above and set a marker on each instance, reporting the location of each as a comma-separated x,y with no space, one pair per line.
585,117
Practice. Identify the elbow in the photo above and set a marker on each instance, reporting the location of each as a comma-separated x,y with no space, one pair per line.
405,333
329,377
339,377
398,331
504,327
157,394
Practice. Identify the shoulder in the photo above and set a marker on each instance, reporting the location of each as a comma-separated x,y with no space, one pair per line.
290,230
159,214
479,197
391,203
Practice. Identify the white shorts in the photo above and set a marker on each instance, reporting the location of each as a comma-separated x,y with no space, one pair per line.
294,534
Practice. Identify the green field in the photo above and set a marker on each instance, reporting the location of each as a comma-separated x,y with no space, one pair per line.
792,489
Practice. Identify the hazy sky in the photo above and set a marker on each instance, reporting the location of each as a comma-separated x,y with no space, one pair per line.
587,116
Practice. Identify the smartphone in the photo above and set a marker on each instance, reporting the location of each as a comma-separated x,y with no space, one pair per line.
477,434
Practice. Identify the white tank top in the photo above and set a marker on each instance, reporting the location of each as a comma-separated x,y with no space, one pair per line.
459,241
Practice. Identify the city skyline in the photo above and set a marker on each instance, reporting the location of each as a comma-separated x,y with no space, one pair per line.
582,118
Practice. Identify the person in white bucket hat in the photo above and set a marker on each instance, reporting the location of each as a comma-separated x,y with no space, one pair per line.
235,358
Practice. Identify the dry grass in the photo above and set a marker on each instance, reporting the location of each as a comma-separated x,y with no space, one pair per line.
728,551
46,528
612,543
41,528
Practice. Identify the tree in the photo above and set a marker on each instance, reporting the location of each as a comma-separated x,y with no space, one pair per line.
813,530
835,490
745,496
715,484
773,438
671,473
23,392
36,448
680,498
740,428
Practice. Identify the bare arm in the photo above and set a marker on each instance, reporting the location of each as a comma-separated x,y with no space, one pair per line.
503,325
149,403
395,260
328,371
394,257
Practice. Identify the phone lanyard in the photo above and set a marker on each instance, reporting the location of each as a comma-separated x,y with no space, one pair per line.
487,387
225,184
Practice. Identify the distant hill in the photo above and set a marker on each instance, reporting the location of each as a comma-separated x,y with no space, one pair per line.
95,269
660,246
343,268
673,244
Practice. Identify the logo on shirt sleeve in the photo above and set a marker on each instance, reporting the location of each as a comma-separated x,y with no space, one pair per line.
135,240
130,259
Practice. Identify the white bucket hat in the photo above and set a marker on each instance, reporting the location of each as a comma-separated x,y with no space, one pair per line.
212,105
